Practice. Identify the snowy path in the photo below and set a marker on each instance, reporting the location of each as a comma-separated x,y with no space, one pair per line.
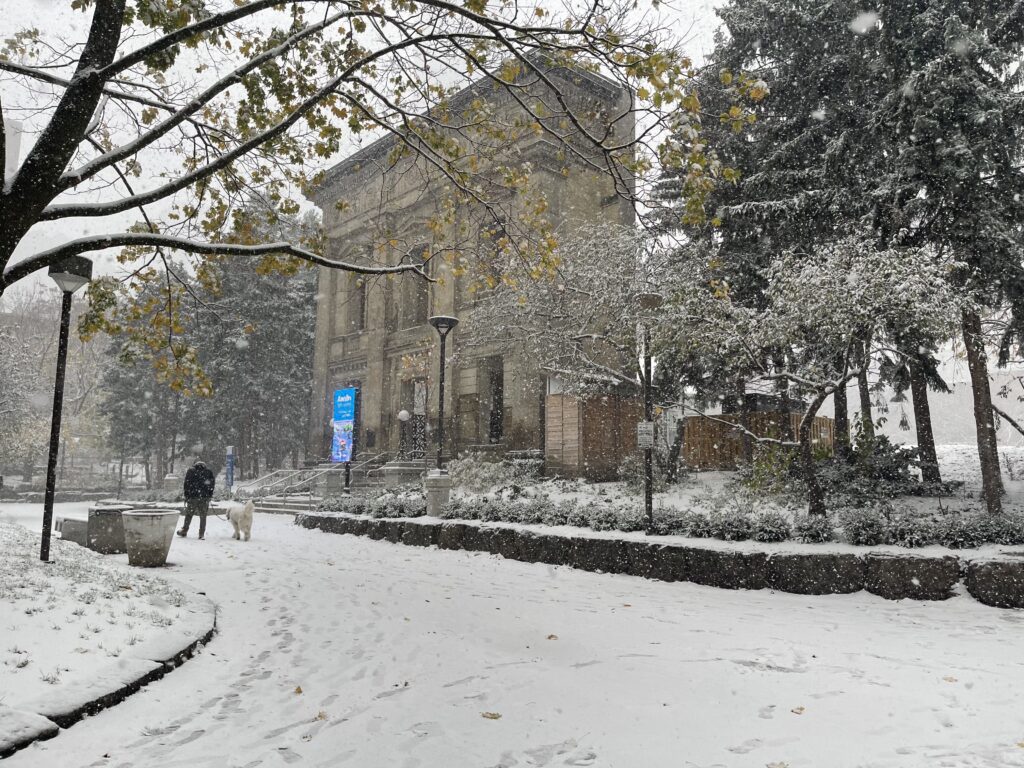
340,651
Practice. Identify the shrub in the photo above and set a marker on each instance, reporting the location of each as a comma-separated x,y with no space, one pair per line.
632,519
866,526
491,510
604,518
877,469
576,515
631,472
732,525
909,530
813,529
771,526
414,506
555,514
669,524
455,509
973,528
771,470
698,525
480,472
535,510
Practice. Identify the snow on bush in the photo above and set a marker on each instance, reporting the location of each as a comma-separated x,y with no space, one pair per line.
813,529
735,513
478,472
772,526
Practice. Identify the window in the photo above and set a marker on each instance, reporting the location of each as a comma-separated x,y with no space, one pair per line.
414,292
357,304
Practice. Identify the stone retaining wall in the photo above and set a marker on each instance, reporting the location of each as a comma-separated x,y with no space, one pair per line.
893,576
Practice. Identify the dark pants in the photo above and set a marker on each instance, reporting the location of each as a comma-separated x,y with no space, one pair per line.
196,507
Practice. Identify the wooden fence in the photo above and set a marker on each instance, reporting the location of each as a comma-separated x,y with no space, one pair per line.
714,443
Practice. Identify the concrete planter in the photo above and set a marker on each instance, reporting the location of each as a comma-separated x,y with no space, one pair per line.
148,534
106,529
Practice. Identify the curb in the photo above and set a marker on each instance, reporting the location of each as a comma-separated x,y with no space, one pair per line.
893,576
39,722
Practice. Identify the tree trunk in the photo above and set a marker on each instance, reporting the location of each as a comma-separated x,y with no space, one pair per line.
842,423
672,470
815,495
988,454
747,443
867,424
923,423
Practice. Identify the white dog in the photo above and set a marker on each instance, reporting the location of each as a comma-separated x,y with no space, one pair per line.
240,516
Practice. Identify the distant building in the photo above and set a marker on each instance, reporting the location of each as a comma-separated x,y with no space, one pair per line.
373,335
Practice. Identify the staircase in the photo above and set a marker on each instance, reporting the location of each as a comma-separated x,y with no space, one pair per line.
321,480
287,504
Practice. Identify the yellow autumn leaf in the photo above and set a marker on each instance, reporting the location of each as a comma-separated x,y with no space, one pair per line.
491,715
298,690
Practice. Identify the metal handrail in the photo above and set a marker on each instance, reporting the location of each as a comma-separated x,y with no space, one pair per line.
257,484
333,468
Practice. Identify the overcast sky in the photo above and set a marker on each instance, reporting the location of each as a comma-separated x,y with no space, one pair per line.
693,18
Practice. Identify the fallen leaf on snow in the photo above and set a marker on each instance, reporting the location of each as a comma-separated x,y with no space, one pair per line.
321,715
949,679
298,689
552,637
491,715
776,765
797,710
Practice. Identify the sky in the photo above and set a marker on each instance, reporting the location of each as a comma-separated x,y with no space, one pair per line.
693,20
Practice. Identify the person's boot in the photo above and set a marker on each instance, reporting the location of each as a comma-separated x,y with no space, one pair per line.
182,532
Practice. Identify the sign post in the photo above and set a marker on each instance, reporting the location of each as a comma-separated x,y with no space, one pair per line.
229,468
343,425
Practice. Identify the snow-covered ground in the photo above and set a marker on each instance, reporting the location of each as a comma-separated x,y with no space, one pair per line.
68,620
341,651
700,490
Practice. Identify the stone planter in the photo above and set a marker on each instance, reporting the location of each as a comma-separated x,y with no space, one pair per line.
106,529
148,534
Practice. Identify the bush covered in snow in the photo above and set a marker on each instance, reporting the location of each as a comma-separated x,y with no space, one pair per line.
480,472
771,526
631,472
813,529
888,523
729,517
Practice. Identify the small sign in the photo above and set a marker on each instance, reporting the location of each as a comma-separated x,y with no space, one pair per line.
645,434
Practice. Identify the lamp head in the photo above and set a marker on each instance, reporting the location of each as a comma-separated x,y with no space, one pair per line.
404,415
443,323
71,273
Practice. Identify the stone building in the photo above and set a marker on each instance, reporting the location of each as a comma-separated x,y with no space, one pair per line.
372,333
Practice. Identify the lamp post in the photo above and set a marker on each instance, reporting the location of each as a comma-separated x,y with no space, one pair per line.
444,326
70,274
649,302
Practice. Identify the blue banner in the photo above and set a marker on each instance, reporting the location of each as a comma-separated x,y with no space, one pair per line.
344,423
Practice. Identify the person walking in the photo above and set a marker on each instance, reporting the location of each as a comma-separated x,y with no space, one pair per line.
198,492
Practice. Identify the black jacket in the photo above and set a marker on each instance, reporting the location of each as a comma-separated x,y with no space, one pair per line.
199,483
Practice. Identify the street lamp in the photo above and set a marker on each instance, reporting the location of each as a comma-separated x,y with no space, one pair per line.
648,302
70,274
444,326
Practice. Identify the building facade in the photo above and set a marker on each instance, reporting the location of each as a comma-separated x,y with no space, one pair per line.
372,333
